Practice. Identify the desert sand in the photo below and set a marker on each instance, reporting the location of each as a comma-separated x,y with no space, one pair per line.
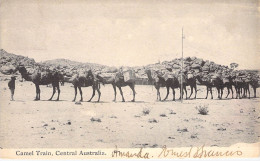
25,123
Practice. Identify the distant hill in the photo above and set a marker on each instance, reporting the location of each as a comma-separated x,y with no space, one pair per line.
67,63
7,59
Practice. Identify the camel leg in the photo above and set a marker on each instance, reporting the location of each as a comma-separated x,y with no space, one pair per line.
36,97
93,93
114,87
173,93
195,88
158,93
232,92
133,89
80,91
185,92
207,92
39,92
58,98
53,92
211,92
191,88
166,94
121,92
254,92
75,87
228,92
248,92
99,93
237,92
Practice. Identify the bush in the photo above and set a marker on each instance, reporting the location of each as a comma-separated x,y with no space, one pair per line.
203,109
146,111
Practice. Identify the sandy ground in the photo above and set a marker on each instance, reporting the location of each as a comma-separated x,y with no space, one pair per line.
25,123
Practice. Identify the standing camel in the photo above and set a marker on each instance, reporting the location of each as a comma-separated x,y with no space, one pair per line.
228,82
254,84
85,80
240,86
41,79
119,82
169,83
191,81
157,82
210,83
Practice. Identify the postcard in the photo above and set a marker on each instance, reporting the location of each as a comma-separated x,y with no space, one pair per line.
113,79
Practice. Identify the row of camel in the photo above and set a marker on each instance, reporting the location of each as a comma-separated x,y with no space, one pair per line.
94,81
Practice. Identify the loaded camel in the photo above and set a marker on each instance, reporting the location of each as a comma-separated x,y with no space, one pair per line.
210,83
191,81
169,83
119,82
39,78
85,80
240,86
228,83
255,84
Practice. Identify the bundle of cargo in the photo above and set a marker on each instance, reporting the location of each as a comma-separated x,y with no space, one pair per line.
168,75
190,75
107,75
215,75
129,76
225,79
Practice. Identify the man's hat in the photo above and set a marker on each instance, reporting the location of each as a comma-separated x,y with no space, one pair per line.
13,77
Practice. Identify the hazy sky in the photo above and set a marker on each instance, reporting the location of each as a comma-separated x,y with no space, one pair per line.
133,32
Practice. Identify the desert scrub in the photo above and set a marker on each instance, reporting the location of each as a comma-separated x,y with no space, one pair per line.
203,109
146,111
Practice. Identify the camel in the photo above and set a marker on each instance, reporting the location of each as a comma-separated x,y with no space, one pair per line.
169,83
254,84
228,83
118,81
191,81
159,82
39,78
85,80
210,83
241,85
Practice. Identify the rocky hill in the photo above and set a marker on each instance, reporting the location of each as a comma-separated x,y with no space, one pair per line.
8,61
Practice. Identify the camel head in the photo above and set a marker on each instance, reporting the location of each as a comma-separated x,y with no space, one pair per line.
21,70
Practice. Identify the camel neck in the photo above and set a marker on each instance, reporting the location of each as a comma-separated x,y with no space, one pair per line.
150,79
27,77
199,79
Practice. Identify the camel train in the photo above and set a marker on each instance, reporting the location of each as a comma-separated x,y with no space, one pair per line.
179,80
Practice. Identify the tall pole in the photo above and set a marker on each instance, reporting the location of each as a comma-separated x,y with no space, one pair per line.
182,37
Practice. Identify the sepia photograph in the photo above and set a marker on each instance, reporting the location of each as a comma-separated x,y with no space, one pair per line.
129,79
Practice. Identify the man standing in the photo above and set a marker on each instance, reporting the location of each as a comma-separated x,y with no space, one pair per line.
11,85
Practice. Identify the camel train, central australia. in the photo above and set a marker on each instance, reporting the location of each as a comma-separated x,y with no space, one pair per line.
169,78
